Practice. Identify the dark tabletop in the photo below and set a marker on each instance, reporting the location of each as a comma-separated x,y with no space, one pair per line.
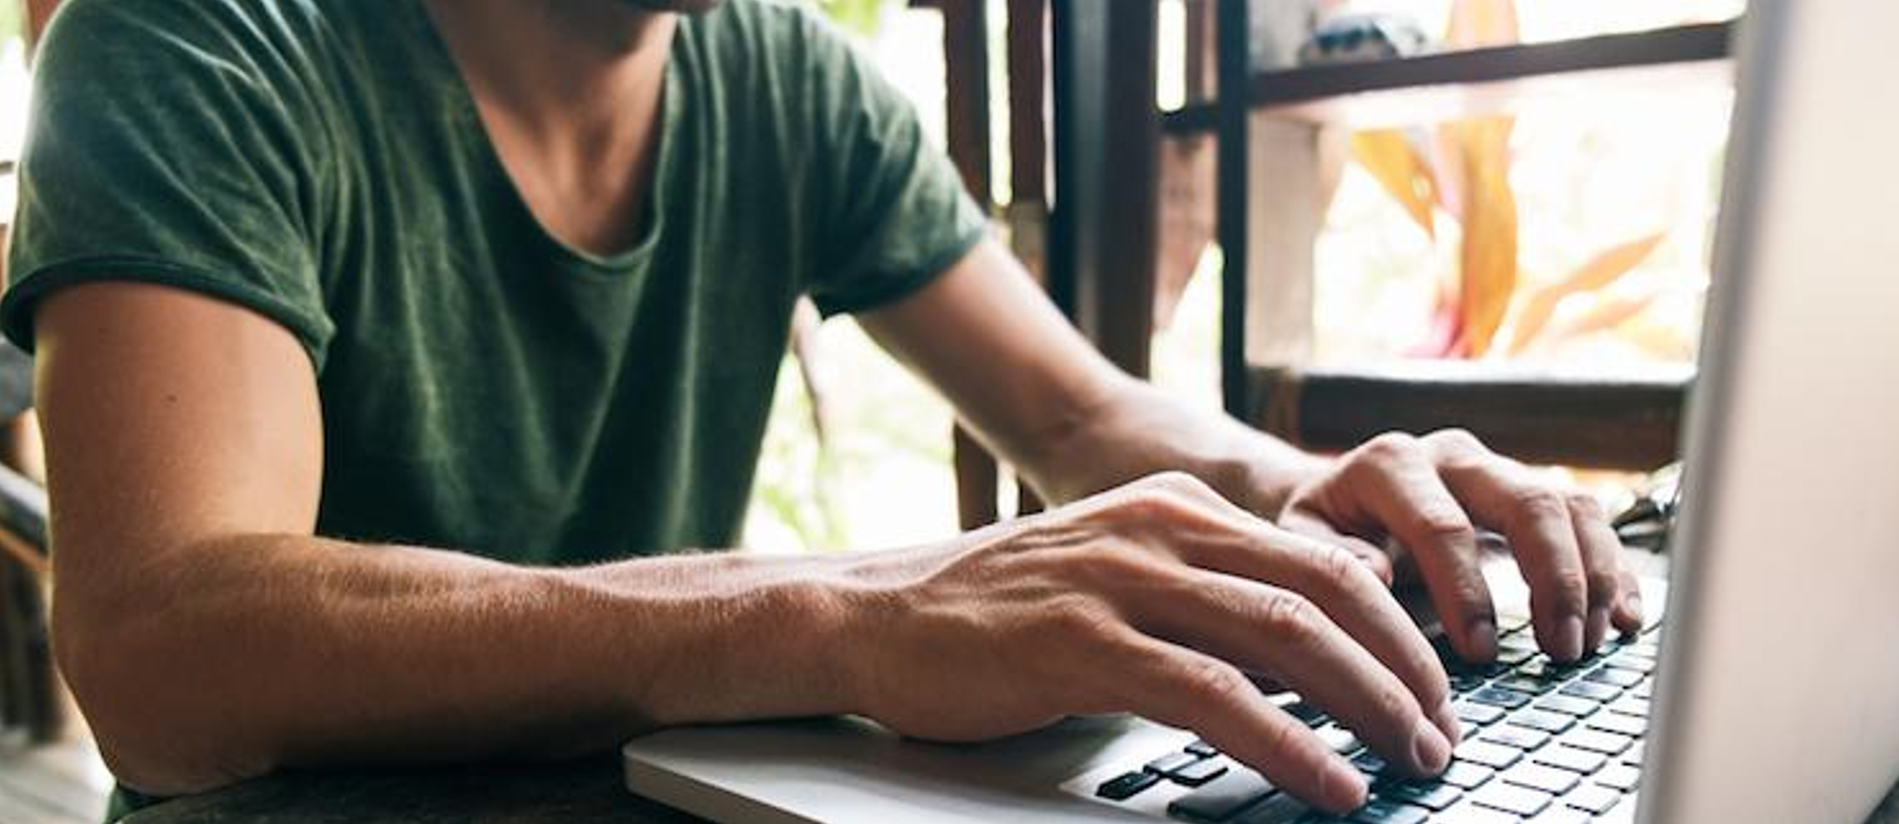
580,791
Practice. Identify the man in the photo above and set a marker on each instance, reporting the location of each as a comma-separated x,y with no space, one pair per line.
317,285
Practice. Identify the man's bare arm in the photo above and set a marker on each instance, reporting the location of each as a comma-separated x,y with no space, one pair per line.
210,637
1073,424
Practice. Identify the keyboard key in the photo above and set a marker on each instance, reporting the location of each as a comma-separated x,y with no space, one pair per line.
1311,715
1507,699
1126,785
1540,720
1567,705
1466,730
1637,663
1473,814
1618,723
1538,777
1340,739
1465,775
1381,812
1607,743
1523,641
1630,705
1466,683
1222,797
1572,759
1199,772
1458,666
1524,683
1634,755
1618,777
1591,690
1494,756
1611,675
1542,668
1369,763
1511,735
1512,799
1479,714
1646,689
1202,749
1431,795
1561,815
1167,764
1592,798
1513,657
1279,809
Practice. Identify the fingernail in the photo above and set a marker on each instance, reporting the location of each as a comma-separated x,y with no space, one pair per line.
1430,752
1344,788
1633,603
1446,720
1569,639
1483,638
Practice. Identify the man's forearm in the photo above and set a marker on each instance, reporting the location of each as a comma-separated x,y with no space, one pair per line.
295,651
1133,429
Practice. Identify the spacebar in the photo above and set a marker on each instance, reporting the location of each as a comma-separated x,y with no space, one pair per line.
1222,797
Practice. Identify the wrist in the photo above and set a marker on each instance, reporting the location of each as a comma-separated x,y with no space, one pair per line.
724,639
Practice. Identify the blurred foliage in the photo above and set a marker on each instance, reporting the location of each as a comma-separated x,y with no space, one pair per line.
862,17
1463,168
12,19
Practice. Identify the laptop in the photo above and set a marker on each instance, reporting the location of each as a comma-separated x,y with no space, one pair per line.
1768,693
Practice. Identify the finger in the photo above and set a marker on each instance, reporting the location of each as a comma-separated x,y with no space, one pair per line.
1348,590
1191,690
1396,481
1309,524
1351,596
1499,494
1629,617
1261,627
1602,569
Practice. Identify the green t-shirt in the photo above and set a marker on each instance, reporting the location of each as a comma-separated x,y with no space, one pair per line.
484,386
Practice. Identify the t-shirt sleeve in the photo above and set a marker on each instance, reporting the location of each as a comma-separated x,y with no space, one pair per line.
895,213
164,148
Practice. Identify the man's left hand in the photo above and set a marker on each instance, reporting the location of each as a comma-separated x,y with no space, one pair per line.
1431,494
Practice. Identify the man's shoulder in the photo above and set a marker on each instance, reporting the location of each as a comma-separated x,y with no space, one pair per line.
768,26
226,34
190,19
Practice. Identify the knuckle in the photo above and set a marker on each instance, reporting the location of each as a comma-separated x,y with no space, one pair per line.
1603,585
1540,503
1445,525
1211,681
1458,440
1394,703
1289,617
1337,569
1078,617
1147,503
1569,591
1389,446
1179,482
1584,507
1284,738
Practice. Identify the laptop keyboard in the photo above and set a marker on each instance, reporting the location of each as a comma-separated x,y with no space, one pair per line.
1542,742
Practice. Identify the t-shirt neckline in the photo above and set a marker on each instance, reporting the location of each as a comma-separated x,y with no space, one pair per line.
440,60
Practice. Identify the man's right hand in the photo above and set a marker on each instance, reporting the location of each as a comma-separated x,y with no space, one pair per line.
1161,599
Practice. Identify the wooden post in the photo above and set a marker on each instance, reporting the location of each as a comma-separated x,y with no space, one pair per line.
966,76
1104,226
